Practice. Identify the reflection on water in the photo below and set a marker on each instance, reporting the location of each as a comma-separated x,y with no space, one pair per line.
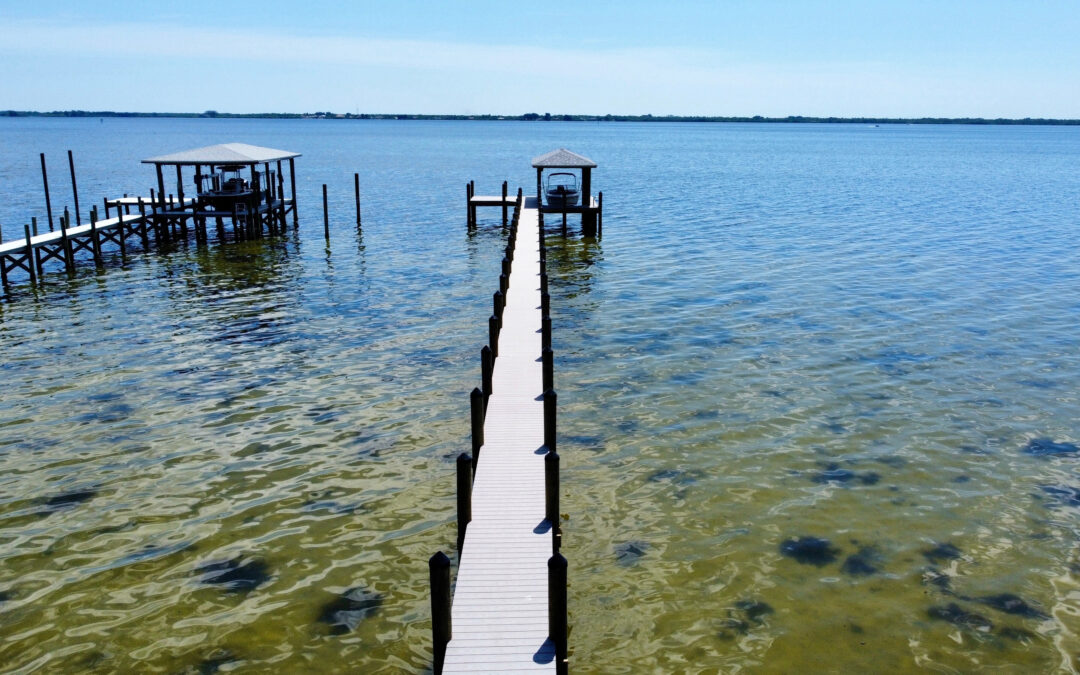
816,398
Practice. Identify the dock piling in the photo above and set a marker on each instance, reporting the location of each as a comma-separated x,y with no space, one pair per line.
441,629
476,401
325,214
45,182
465,467
493,335
31,258
74,188
487,366
95,237
547,358
356,186
550,399
557,610
551,498
504,203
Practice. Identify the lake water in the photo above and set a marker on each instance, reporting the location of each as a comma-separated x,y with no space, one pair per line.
817,386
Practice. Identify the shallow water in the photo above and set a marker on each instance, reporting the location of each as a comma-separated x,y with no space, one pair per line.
855,334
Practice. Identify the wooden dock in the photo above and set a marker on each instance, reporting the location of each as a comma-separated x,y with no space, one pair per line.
500,613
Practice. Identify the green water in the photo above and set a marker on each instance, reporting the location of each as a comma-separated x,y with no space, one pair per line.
864,336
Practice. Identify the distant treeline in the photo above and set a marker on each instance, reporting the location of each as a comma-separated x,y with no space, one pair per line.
548,117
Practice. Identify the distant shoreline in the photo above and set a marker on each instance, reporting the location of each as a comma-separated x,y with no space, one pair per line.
547,117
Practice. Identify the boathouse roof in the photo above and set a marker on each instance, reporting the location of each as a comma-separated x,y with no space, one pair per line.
226,153
562,159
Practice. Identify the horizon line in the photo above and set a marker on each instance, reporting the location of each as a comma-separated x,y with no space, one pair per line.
549,117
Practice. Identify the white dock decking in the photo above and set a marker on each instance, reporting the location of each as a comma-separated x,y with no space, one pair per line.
19,245
500,606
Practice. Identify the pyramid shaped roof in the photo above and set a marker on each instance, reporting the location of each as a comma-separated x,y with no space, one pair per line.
562,159
226,153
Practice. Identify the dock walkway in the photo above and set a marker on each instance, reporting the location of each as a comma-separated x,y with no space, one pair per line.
500,606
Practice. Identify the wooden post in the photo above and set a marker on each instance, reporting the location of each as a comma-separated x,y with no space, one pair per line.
493,335
557,610
504,283
142,226
562,194
95,238
487,367
545,332
539,188
600,214
551,498
586,187
120,229
506,267
160,185
356,186
545,304
69,257
45,181
441,628
544,283
498,302
179,186
476,401
465,467
33,225
550,399
547,359
292,187
31,258
325,214
472,207
504,203
74,188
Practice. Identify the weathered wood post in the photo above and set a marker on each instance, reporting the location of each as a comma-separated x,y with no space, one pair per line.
468,204
74,188
142,226
504,202
45,181
325,214
550,399
545,332
356,185
547,358
498,302
31,258
476,405
465,467
441,629
120,230
69,256
545,304
292,188
95,237
33,225
487,368
551,498
557,610
562,195
493,335
504,283
600,214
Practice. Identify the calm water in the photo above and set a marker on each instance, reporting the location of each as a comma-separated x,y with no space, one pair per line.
817,389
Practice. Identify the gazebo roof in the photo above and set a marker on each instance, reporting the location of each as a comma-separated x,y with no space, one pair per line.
562,159
226,153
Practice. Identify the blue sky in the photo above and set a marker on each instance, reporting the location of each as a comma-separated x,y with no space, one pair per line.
769,57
